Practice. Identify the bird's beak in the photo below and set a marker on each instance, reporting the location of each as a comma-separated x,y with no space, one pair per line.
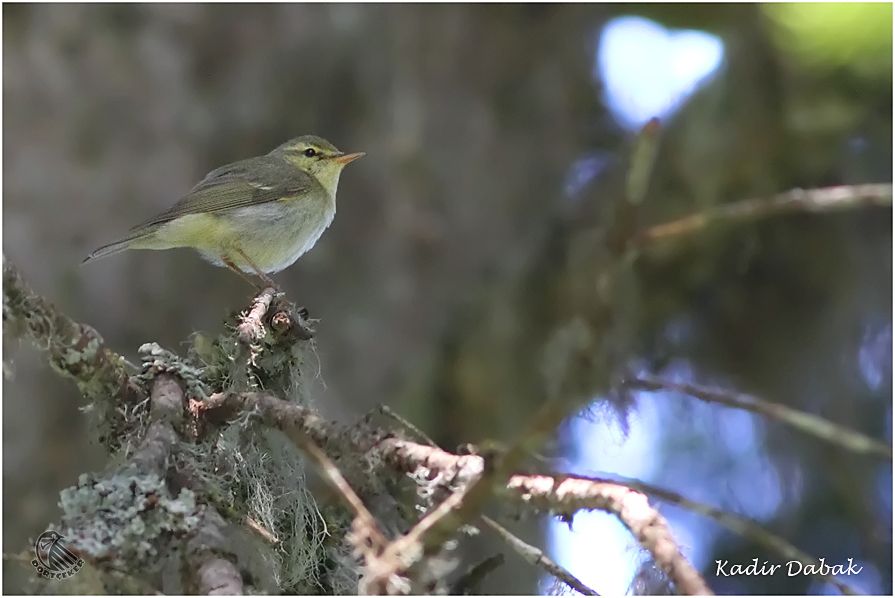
346,158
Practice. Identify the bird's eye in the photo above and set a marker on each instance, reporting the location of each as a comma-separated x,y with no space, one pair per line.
310,152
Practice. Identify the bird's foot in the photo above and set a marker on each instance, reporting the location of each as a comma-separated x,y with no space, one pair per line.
268,283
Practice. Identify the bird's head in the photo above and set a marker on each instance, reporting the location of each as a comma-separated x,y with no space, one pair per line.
317,157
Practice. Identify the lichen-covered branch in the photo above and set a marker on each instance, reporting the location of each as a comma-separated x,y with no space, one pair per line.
211,568
74,350
284,319
129,518
296,421
218,577
166,414
124,519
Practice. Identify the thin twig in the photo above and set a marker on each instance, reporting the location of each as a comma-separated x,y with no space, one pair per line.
805,422
361,514
262,531
626,214
368,540
535,556
643,159
824,199
389,412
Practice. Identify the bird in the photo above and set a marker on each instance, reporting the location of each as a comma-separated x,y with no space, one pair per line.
255,216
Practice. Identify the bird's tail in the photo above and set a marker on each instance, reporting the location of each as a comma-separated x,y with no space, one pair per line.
118,246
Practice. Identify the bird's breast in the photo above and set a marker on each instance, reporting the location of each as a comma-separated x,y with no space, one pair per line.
275,234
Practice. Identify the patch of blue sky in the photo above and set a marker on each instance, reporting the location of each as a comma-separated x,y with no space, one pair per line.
597,548
648,70
737,476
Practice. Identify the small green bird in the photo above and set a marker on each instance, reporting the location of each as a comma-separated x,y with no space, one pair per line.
255,216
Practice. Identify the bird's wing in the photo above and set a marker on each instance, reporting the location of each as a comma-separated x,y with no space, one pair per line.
244,183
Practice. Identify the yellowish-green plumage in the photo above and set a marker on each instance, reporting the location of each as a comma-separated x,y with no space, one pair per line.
257,215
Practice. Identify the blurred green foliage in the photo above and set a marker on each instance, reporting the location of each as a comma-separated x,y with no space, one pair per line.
856,36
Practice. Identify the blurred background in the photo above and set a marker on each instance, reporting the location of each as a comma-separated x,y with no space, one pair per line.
497,137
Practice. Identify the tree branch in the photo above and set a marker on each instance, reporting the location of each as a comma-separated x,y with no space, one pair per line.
470,581
535,556
825,199
569,494
252,329
805,422
213,567
166,414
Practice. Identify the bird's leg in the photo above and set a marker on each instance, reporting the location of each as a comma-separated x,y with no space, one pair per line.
264,277
229,263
